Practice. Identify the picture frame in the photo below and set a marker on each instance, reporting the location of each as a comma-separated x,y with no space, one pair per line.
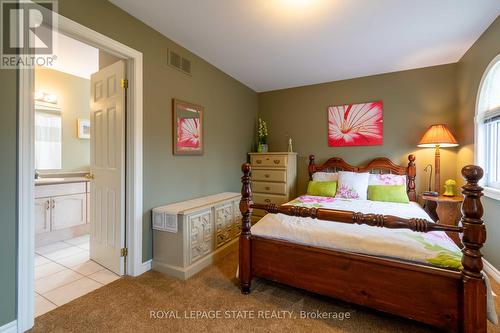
358,124
187,128
84,129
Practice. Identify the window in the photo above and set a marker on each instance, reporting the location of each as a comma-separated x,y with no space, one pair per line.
488,126
47,140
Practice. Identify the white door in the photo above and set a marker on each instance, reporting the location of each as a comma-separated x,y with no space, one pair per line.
42,215
107,167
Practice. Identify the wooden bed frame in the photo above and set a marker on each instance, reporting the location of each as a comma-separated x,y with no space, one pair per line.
451,300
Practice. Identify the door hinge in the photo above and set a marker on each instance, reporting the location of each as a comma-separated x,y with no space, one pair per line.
124,252
124,83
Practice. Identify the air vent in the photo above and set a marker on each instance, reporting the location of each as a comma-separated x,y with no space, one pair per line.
177,61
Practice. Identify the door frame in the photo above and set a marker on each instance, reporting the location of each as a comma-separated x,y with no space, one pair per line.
133,166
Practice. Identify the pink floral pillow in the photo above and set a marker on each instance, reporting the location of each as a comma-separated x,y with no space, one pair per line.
386,179
352,185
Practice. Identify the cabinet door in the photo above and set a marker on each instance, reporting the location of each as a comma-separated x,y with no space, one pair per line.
201,237
68,211
223,223
42,215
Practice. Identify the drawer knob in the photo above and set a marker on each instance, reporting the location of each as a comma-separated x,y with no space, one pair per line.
276,161
268,200
258,161
267,188
267,175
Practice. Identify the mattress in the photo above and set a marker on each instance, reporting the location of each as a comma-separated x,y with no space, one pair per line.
432,248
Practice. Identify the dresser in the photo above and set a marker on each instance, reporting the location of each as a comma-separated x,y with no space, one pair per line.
274,179
190,235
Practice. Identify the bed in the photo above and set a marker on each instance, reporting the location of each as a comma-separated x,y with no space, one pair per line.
405,283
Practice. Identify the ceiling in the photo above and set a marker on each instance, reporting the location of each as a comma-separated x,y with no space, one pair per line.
74,57
275,44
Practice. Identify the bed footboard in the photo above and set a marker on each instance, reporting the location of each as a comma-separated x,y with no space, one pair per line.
465,308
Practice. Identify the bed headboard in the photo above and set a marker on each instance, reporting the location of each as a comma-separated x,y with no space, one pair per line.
377,165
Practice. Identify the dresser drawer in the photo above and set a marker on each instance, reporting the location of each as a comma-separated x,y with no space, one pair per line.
269,175
268,187
266,160
261,198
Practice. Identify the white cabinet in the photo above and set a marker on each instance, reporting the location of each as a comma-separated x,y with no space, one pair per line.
42,215
60,211
188,236
201,235
69,211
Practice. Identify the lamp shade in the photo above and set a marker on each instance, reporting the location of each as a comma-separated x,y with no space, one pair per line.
438,135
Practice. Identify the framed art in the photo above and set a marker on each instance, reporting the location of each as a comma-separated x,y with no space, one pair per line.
83,128
355,125
187,128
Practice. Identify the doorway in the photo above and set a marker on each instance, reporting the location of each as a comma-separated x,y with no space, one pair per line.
133,160
79,173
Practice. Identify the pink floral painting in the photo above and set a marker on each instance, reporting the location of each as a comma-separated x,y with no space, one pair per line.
355,124
188,136
187,128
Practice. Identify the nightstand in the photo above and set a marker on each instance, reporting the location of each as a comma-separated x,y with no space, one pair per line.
445,210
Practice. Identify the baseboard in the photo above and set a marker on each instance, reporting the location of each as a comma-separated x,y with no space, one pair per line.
9,327
145,266
185,273
491,270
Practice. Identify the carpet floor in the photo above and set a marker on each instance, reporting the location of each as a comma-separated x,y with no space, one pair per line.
143,304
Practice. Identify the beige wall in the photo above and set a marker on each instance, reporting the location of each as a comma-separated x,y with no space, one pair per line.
74,99
230,111
413,100
470,71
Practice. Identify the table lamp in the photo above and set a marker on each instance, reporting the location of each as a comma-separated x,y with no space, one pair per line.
437,136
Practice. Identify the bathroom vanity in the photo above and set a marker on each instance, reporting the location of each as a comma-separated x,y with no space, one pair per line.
61,208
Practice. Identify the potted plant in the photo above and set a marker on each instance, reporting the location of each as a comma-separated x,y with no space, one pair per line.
262,137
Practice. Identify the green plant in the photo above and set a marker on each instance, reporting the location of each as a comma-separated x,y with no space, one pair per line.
262,132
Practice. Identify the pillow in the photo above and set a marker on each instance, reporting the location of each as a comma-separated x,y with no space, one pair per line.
325,176
322,189
388,193
386,179
352,185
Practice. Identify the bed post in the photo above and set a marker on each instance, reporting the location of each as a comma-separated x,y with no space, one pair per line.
411,173
474,288
312,166
245,264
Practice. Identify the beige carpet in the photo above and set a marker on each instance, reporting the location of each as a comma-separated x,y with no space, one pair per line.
125,306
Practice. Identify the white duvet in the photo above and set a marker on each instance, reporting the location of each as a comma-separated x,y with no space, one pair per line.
432,248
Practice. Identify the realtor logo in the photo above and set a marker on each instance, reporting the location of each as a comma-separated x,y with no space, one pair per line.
27,34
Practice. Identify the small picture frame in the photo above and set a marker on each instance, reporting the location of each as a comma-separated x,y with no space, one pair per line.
187,128
84,129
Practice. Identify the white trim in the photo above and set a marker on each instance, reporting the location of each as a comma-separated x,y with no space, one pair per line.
9,327
491,270
491,193
134,179
146,266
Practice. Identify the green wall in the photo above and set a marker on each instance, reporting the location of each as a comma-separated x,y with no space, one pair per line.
73,97
412,99
8,247
470,71
229,109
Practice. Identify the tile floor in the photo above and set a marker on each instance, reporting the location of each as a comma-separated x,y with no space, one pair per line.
63,272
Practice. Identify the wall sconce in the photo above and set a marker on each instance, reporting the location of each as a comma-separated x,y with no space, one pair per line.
40,96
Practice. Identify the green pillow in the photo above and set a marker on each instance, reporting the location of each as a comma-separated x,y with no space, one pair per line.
322,189
388,193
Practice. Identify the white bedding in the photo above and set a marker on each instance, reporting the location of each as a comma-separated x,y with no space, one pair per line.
432,248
